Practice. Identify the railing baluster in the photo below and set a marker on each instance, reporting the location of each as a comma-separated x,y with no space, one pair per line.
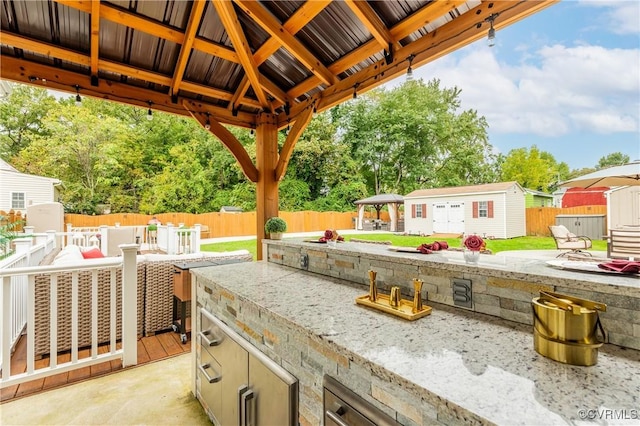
31,320
113,300
5,296
74,316
94,313
53,321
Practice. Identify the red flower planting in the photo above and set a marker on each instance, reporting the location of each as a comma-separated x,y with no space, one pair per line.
474,243
330,234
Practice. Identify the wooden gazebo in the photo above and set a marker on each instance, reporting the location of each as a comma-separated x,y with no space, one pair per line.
263,65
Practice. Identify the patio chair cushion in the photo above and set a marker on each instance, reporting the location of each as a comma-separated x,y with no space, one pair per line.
94,253
68,255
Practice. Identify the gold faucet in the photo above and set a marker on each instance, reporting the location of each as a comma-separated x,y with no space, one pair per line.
417,299
394,298
373,291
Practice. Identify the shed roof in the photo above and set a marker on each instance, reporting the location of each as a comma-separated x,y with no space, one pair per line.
463,190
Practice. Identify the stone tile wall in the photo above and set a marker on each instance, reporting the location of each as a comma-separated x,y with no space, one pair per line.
499,293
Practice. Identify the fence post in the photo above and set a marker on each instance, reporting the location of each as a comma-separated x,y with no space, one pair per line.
196,238
104,239
28,230
129,304
51,236
171,239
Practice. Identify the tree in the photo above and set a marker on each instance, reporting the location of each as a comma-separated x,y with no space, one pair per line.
414,136
533,169
21,114
614,159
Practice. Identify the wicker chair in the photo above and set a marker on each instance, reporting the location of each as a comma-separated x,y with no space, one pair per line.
159,284
43,305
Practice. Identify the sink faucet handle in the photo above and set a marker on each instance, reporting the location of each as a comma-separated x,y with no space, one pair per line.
373,291
417,298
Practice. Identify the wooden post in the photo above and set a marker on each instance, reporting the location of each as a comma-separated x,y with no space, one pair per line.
129,304
267,185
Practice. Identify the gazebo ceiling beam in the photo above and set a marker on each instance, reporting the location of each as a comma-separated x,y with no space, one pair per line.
298,20
185,49
372,21
95,40
232,25
270,24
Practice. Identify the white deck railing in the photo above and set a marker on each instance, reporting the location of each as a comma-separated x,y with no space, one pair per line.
168,238
22,280
29,251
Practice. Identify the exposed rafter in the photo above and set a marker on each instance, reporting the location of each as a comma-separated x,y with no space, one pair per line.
232,25
185,50
271,25
95,40
371,20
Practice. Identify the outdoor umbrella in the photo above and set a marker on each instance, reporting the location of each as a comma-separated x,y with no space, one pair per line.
627,174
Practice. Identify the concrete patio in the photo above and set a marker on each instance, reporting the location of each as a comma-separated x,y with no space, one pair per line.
153,394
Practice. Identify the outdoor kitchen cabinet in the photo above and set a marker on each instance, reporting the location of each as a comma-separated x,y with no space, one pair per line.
239,385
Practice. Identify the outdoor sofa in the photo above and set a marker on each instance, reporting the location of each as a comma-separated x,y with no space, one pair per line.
154,292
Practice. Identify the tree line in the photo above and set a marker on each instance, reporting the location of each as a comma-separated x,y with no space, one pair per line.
413,136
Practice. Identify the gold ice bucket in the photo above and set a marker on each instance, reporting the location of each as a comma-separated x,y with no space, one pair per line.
565,328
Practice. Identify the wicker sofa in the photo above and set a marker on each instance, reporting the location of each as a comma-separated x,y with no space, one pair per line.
154,291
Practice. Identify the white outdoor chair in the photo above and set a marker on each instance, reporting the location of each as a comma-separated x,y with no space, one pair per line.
566,240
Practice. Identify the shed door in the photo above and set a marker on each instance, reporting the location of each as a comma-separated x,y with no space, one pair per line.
456,218
448,217
440,218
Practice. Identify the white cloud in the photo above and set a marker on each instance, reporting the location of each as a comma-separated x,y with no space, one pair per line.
553,91
621,17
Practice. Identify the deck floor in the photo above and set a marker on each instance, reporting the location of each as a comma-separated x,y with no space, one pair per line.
150,348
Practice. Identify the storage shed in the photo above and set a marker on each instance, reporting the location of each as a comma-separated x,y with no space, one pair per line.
623,206
493,210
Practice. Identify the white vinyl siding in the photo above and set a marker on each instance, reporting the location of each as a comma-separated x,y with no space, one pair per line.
508,221
36,189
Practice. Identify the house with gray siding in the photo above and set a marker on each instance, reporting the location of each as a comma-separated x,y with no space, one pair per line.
20,190
493,210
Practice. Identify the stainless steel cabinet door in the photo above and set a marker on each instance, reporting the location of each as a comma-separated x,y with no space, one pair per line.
273,399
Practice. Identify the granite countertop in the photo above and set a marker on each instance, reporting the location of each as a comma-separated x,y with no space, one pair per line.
532,270
485,365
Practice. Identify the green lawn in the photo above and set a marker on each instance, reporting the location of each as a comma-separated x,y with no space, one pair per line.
496,246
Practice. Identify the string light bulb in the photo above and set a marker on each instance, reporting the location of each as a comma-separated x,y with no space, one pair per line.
149,112
491,34
410,70
355,91
78,97
288,127
207,125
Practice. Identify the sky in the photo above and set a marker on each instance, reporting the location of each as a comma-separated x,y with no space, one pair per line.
566,79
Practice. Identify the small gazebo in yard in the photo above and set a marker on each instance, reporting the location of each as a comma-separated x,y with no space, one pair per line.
393,201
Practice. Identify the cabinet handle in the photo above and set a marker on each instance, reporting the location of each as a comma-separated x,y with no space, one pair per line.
213,342
335,417
203,370
246,396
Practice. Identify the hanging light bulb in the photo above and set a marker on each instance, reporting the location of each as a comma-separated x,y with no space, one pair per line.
252,132
207,125
288,127
315,110
78,98
491,35
149,112
355,91
410,70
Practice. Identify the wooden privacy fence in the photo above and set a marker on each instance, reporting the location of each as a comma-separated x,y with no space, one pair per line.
540,218
221,224
237,224
7,219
